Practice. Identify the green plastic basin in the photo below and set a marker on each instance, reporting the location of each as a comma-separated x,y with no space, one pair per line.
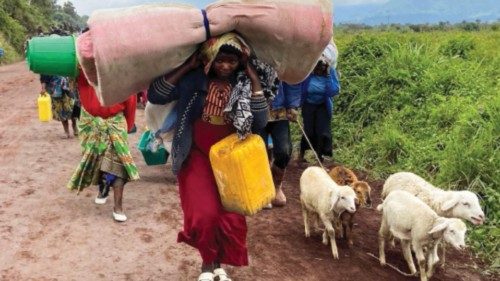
52,55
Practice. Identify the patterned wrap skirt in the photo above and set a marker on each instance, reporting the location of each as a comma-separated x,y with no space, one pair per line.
62,108
105,149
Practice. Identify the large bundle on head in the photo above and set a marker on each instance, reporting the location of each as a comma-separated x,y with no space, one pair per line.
126,49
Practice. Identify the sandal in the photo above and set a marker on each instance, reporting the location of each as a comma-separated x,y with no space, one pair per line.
221,275
206,276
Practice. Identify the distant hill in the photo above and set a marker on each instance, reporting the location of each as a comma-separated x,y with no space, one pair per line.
419,11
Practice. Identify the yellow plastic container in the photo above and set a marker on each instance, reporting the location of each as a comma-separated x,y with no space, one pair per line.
243,175
44,107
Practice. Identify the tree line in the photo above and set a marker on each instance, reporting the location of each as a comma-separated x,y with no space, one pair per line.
21,19
424,27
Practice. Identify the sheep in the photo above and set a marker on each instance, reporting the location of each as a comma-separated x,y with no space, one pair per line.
344,176
408,218
451,203
321,197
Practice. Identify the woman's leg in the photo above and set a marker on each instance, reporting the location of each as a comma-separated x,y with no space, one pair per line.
282,150
264,134
118,187
282,143
65,124
323,125
73,125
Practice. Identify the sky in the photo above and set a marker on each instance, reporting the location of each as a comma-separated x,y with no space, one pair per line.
85,7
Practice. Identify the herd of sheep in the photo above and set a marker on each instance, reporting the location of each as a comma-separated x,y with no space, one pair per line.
416,213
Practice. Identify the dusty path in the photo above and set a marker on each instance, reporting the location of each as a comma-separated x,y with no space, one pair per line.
49,233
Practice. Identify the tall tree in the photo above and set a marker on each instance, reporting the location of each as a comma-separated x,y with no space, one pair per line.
69,9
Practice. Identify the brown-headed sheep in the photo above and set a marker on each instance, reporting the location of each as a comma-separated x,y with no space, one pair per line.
342,175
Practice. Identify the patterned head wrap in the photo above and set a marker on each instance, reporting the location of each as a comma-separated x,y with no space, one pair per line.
211,47
238,108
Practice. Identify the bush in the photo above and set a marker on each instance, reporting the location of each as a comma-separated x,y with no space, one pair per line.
14,32
459,47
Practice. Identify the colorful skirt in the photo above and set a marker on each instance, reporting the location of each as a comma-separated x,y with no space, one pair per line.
104,148
62,108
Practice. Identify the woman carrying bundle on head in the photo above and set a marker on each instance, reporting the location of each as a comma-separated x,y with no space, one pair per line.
318,91
219,90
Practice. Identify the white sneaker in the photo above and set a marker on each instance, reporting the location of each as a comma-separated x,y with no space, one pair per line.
100,201
268,206
221,274
206,276
119,217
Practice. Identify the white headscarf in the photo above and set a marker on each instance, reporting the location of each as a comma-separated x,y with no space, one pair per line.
330,55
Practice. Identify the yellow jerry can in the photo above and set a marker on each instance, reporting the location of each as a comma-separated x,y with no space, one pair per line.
44,107
241,169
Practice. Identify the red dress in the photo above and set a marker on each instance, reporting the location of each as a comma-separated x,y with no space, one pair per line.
91,104
219,236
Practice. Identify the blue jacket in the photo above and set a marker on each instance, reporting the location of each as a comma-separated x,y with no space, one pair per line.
288,97
56,86
332,89
190,93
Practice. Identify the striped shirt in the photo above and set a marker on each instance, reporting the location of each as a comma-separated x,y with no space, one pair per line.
217,99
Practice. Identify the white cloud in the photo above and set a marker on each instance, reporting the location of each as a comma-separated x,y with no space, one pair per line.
357,2
85,7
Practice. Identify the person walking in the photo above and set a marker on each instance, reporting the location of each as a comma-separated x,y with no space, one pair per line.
62,102
106,160
282,110
318,91
219,91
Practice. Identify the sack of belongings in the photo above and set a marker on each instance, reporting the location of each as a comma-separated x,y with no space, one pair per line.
125,49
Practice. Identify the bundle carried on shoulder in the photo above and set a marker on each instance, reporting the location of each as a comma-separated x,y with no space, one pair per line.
126,49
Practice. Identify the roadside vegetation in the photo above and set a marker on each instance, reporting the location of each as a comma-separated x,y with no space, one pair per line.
21,19
426,101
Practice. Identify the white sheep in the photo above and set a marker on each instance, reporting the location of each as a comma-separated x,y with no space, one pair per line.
451,203
408,218
321,197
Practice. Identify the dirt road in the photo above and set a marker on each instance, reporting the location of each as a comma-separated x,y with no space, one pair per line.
49,233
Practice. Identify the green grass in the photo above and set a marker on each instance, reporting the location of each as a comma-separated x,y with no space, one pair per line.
428,103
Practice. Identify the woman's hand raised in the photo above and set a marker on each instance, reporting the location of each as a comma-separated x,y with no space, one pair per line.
194,61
